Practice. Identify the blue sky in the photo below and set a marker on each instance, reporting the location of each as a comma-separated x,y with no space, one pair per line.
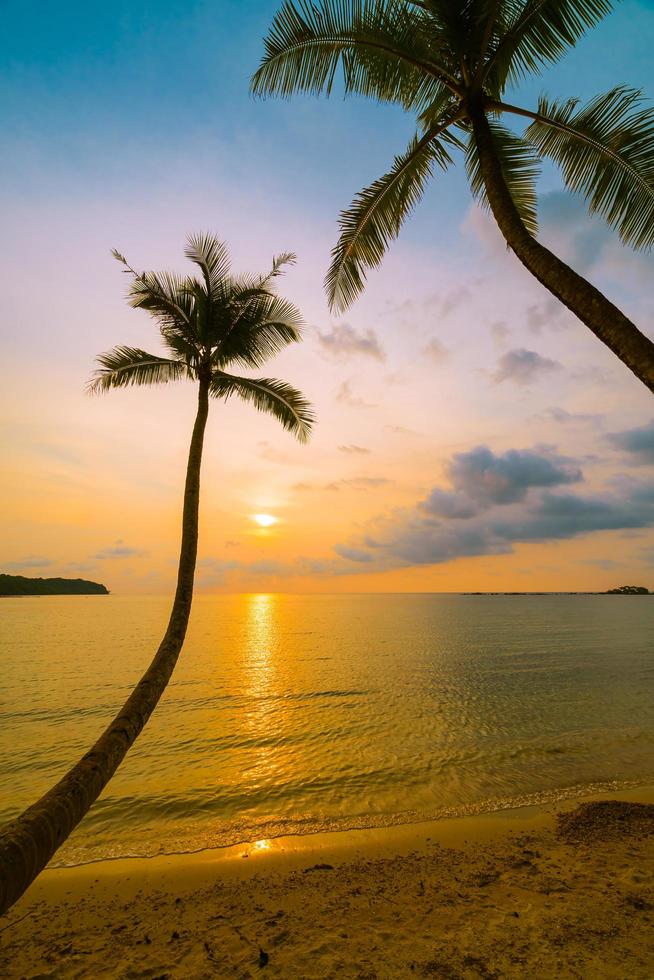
130,125
89,91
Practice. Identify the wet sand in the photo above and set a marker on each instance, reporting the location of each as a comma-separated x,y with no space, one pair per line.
536,892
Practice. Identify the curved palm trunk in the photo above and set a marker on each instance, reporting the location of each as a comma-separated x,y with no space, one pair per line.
28,843
605,320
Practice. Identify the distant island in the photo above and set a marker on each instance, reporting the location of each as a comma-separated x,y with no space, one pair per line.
621,590
11,585
629,590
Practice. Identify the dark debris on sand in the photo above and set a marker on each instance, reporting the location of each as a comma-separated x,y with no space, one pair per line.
606,820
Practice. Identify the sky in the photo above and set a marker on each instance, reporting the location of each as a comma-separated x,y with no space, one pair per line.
471,435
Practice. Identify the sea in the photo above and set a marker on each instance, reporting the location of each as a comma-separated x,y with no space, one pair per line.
293,714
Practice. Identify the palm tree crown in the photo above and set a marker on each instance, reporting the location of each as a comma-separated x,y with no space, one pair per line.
208,323
450,62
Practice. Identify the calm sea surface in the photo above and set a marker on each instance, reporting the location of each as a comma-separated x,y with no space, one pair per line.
291,714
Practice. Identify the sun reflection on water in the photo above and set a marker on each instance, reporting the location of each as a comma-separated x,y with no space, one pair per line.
260,675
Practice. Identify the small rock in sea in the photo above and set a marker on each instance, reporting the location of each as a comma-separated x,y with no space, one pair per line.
147,940
320,867
175,935
263,958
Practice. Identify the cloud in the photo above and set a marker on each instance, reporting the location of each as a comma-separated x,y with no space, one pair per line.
352,483
499,332
362,482
523,366
345,341
547,314
32,561
485,478
445,503
353,450
271,453
436,351
495,502
638,442
401,430
587,242
433,307
569,418
118,551
347,397
80,566
450,302
353,554
212,571
606,564
559,516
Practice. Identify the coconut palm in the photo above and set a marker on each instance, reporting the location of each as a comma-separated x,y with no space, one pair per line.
450,63
207,324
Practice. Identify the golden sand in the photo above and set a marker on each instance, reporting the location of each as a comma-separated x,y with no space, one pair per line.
528,893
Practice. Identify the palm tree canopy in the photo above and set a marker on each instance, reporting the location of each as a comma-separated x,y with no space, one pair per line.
208,322
445,60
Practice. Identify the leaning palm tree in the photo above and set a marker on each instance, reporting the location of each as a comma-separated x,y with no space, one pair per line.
206,324
450,63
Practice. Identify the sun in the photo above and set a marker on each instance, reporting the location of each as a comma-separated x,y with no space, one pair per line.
264,520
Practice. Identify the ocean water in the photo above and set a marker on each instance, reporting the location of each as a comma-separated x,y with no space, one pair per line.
292,714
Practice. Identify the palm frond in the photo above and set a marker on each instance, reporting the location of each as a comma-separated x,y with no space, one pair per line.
380,45
278,266
124,366
248,287
212,256
377,213
520,168
167,298
261,330
161,294
539,33
606,152
457,25
180,347
276,398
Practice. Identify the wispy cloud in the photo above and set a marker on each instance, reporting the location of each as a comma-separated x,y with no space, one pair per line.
353,450
563,417
548,314
436,351
523,366
345,341
118,550
353,554
31,561
345,395
638,443
352,483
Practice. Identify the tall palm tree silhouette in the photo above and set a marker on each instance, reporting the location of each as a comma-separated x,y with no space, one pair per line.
206,324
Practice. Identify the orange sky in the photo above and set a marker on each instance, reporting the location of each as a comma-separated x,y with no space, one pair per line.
452,347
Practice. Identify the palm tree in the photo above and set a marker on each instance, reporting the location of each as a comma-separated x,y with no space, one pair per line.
450,64
206,324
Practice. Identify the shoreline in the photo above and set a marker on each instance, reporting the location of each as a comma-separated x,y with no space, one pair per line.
483,824
484,895
383,823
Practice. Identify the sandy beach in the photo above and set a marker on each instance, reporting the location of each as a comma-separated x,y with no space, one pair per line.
538,892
